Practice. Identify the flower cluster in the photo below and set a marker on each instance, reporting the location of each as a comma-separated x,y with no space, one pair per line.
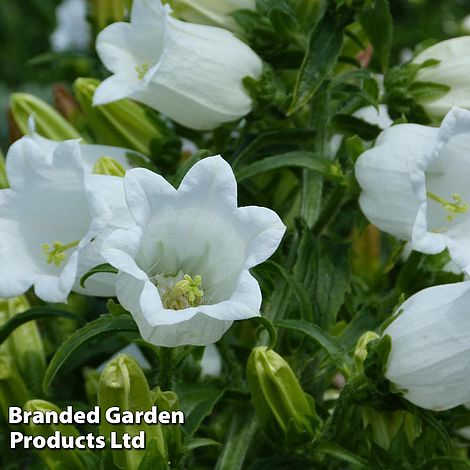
183,255
415,186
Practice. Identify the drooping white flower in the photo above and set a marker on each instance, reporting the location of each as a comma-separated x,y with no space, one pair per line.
73,30
192,73
415,185
108,188
47,217
184,269
430,355
211,12
452,70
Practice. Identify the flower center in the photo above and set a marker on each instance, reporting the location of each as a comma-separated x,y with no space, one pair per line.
179,292
56,253
459,206
142,69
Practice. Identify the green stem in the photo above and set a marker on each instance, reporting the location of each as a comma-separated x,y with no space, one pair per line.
165,375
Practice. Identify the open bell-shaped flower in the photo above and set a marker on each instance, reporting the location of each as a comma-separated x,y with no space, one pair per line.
53,218
192,73
430,354
47,218
415,185
184,269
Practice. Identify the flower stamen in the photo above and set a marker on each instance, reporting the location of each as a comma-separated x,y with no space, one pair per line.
142,69
184,294
56,253
456,207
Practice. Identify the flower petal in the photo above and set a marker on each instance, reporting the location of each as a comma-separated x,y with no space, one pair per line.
430,356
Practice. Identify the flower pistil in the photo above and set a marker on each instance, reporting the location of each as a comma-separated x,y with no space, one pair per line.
56,253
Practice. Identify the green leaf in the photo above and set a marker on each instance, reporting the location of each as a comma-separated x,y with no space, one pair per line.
239,438
323,51
104,326
428,91
319,336
197,402
323,268
101,268
34,313
348,124
300,159
196,443
377,22
296,288
341,454
272,142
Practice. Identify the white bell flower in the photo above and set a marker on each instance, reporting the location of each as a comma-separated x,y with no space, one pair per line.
415,185
430,355
184,269
104,167
452,70
192,73
47,217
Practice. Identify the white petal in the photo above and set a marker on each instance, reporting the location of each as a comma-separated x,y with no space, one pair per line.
117,87
430,356
147,193
209,185
391,191
114,45
262,230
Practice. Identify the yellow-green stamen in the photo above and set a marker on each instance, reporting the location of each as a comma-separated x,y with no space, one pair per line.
142,70
456,207
56,253
184,294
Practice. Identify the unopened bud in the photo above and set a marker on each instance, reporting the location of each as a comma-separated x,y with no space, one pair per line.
123,123
13,391
3,173
168,401
105,12
108,166
49,123
25,343
55,457
360,353
123,384
210,12
277,395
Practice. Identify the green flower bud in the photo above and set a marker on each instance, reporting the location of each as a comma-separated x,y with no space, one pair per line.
360,353
105,12
108,166
168,401
385,425
3,173
13,391
277,394
123,384
54,459
122,123
49,123
210,12
24,344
